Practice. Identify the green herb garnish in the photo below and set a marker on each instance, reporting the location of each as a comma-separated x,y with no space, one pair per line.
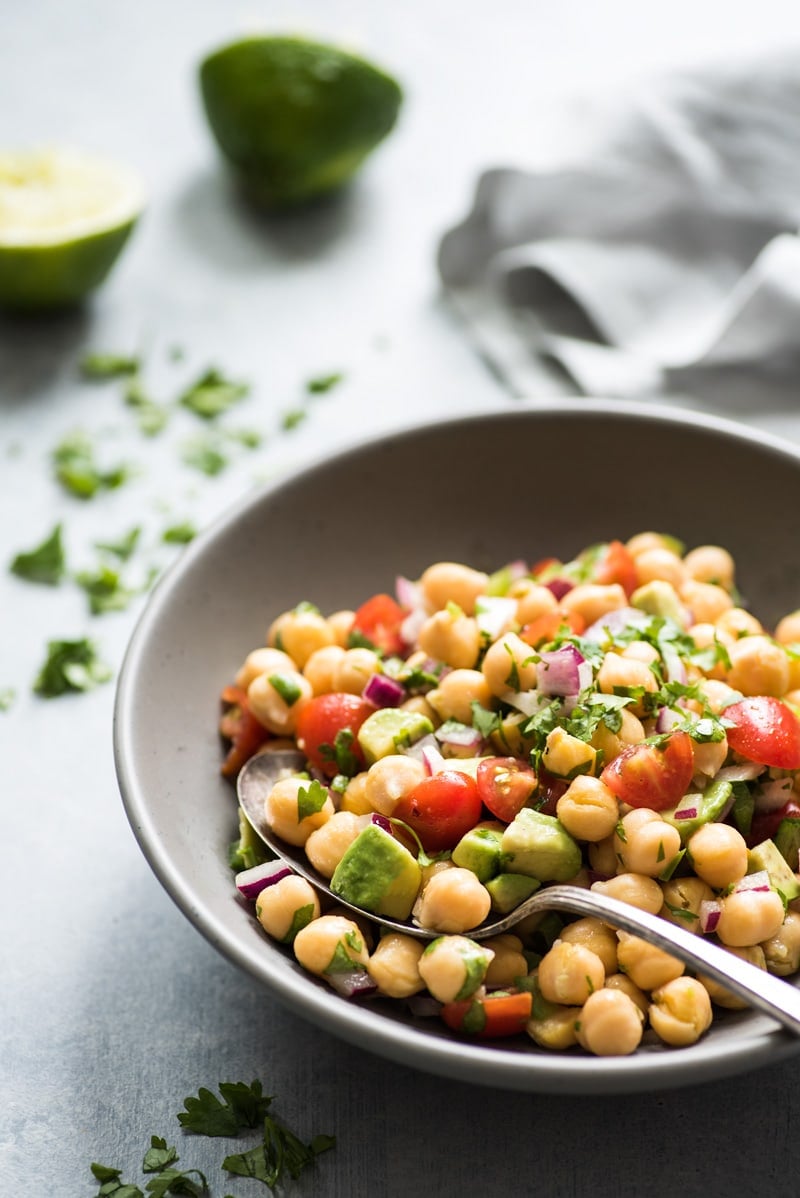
44,564
311,799
179,534
77,471
212,395
105,590
323,383
108,366
286,686
206,455
292,418
70,666
241,1106
123,548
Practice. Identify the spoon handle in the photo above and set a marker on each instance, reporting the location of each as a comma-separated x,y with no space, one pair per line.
767,993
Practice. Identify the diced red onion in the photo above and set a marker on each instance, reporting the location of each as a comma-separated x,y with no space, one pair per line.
614,622
352,982
559,586
528,702
459,736
412,625
409,594
432,759
745,772
666,719
250,882
384,691
381,821
756,881
710,911
686,813
773,794
424,1006
563,671
420,746
494,613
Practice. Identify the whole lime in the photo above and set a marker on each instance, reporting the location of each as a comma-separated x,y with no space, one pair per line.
64,218
294,118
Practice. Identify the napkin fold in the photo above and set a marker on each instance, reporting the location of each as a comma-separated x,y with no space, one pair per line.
665,253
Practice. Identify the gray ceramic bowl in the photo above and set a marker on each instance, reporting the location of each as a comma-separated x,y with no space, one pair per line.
484,490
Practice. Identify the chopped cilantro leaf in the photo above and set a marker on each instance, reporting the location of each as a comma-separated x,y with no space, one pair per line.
158,1155
682,913
486,722
70,666
7,697
341,751
206,455
105,590
311,799
77,471
323,383
44,564
212,395
280,1151
152,417
243,1106
292,418
179,534
124,547
107,366
286,686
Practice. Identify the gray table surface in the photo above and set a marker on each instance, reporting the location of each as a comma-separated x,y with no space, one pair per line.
112,1007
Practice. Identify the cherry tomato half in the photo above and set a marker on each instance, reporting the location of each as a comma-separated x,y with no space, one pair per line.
617,565
548,626
241,729
489,1017
325,718
505,786
380,620
764,730
441,809
654,776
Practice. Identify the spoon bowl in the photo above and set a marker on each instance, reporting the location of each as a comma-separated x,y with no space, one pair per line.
759,989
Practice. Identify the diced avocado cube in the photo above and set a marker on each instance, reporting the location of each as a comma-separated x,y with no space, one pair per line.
480,850
659,598
509,890
787,841
566,756
707,808
379,874
390,730
766,856
540,846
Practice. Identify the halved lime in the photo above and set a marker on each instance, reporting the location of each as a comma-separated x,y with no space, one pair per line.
64,217
295,118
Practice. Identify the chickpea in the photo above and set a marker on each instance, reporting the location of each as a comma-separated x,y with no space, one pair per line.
451,637
533,600
610,1024
641,651
645,964
710,563
617,671
453,901
647,540
709,758
327,845
420,705
719,854
453,697
593,601
287,906
264,661
603,856
320,669
450,582
782,951
282,811
328,943
355,797
508,666
683,898
705,601
569,973
720,994
394,965
341,625
736,623
588,809
509,962
277,699
300,632
610,744
680,1011
557,1029
390,779
749,917
621,981
454,967
758,667
660,565
718,695
708,636
788,630
648,845
355,669
636,889
594,935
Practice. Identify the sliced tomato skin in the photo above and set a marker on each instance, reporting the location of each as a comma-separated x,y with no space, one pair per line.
505,786
241,729
493,1017
320,722
766,823
548,626
380,619
652,776
765,730
441,809
617,565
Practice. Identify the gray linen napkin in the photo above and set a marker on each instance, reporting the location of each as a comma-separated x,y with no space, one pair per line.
665,254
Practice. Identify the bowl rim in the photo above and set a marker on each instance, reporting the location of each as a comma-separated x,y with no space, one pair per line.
477,1062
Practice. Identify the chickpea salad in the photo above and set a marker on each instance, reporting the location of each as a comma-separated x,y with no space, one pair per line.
619,721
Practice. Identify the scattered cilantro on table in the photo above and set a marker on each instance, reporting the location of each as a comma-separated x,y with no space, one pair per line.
107,366
45,564
292,418
77,470
212,395
105,589
323,383
70,666
179,534
7,696
124,546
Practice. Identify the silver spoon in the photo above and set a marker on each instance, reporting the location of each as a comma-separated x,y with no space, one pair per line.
767,993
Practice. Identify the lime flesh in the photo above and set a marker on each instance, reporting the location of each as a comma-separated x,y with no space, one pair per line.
64,218
295,119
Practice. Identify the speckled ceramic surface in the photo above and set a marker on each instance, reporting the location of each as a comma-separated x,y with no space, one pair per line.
527,483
